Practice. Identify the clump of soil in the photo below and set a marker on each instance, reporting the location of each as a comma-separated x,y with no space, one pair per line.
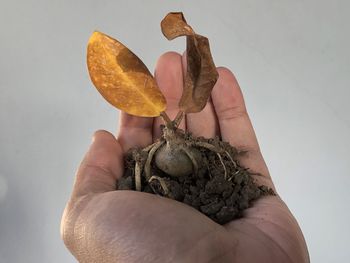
220,188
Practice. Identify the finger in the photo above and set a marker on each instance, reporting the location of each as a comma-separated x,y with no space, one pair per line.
169,77
101,166
134,131
234,122
203,123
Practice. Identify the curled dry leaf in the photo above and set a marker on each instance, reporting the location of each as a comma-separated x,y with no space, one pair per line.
175,25
122,78
201,74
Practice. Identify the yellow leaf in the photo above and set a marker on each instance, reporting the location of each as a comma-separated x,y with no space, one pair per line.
122,78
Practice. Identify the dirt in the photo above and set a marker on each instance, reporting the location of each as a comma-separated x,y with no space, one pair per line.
220,195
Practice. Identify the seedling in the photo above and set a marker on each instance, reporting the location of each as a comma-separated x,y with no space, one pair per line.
200,172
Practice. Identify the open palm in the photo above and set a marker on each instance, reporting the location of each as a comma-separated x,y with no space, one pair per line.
103,225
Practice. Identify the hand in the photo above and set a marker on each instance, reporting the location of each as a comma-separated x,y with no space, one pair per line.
100,224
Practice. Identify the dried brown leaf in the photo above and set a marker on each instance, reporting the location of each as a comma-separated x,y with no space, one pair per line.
201,74
122,78
174,25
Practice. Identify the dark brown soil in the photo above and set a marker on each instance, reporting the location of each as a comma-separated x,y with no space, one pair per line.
222,199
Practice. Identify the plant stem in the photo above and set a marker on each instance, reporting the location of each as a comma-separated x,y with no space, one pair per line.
165,117
175,123
178,118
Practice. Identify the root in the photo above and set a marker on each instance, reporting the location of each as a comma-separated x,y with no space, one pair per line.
233,162
149,147
208,146
230,178
193,160
162,184
223,165
138,176
138,168
218,152
211,177
150,157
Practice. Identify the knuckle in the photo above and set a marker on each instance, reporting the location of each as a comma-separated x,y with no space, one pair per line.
231,113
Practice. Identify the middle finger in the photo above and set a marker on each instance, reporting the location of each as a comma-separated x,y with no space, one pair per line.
203,123
169,78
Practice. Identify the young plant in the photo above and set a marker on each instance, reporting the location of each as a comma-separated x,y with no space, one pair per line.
125,82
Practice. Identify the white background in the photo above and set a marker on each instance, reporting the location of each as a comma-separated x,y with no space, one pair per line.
291,58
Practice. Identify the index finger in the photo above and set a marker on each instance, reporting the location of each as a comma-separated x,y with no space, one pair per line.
134,131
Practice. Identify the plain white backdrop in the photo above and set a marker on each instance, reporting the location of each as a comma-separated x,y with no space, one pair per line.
291,58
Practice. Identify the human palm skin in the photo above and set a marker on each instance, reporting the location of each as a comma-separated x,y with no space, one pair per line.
102,225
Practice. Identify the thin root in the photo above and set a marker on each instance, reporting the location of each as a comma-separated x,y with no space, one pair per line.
229,156
230,178
216,150
211,177
223,165
162,184
208,146
149,147
138,176
150,157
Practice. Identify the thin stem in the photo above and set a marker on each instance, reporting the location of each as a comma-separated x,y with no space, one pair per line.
165,117
178,118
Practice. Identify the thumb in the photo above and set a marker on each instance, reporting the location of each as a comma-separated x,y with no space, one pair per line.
101,166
